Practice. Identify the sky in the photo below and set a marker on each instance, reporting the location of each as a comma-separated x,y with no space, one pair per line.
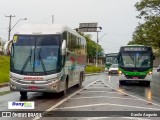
116,17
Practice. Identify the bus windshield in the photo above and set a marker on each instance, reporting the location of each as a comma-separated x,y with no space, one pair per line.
135,60
36,55
110,59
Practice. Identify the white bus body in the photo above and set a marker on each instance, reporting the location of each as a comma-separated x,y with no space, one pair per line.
30,68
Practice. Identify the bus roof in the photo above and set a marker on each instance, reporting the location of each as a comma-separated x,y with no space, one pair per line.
129,48
135,45
111,54
44,29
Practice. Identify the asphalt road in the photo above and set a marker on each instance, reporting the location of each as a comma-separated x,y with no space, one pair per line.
99,93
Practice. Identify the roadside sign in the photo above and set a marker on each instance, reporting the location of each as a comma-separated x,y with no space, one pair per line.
88,27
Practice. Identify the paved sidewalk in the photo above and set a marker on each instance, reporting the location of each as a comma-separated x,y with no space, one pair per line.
3,89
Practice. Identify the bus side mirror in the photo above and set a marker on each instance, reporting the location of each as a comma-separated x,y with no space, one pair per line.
64,47
7,47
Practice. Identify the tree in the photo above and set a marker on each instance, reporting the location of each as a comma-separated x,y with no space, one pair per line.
148,33
148,8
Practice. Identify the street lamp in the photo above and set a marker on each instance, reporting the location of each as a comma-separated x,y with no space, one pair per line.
9,31
101,37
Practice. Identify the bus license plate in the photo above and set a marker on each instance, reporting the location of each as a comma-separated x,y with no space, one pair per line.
33,87
135,77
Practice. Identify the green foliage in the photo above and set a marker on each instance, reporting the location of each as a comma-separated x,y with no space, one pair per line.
4,68
148,8
148,33
94,69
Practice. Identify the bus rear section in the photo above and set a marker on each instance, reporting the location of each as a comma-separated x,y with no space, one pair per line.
135,64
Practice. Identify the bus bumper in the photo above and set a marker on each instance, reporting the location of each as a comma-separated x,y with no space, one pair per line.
123,78
50,87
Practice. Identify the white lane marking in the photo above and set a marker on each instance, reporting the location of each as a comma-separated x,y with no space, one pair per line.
129,94
103,97
98,87
62,101
132,118
100,91
104,104
91,91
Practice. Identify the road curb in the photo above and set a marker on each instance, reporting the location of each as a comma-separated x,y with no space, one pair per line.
94,74
4,85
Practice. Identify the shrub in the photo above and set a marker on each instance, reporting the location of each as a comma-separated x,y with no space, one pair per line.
94,69
4,68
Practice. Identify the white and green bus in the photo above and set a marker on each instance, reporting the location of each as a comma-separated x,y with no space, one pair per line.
31,66
110,58
135,64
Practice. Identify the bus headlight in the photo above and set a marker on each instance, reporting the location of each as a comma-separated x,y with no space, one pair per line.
150,73
54,79
120,72
13,78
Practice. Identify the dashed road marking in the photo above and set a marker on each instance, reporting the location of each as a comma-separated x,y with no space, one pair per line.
106,104
62,101
100,92
101,104
97,87
130,94
103,97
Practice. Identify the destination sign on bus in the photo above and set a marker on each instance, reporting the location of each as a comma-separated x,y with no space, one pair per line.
134,49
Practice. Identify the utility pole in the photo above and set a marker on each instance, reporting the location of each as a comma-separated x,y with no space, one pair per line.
9,29
97,50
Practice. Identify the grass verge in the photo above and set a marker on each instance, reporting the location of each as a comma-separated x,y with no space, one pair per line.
94,69
4,68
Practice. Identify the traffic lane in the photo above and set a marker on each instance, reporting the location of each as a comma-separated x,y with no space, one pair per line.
105,102
149,93
42,101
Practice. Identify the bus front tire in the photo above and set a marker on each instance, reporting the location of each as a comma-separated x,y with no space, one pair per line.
23,94
65,89
147,83
80,81
121,82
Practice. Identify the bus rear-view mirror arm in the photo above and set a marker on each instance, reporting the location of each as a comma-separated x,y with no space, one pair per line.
64,47
6,47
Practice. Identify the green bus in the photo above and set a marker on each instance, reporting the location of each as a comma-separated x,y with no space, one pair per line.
110,58
135,63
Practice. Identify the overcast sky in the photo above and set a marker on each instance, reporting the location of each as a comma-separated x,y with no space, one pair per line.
116,17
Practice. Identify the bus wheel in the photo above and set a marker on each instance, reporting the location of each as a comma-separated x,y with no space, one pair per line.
65,89
121,82
147,83
80,80
23,94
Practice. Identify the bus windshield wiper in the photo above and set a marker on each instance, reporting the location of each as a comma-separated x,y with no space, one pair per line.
40,58
12,56
26,62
